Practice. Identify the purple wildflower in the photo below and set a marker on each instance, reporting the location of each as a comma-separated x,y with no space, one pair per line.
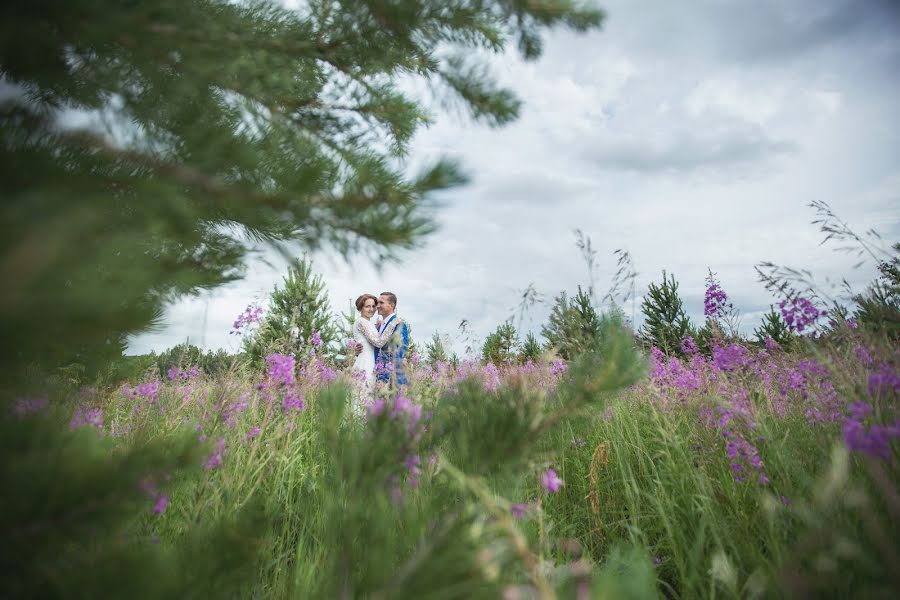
689,346
715,300
519,510
87,416
281,368
862,353
29,406
799,313
315,339
252,433
883,382
551,481
252,314
214,460
558,367
162,501
292,401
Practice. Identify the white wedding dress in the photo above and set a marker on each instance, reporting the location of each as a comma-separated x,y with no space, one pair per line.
365,333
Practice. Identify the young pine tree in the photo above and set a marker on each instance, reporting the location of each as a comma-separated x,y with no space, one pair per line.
298,309
773,326
434,350
665,322
531,349
573,326
501,347
878,309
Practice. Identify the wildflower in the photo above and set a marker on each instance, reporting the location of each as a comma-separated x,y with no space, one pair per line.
281,368
232,410
252,433
551,481
149,390
799,313
519,510
862,353
214,460
162,501
715,299
411,464
771,344
29,406
558,367
315,339
325,373
689,346
87,416
292,401
730,358
873,440
251,314
376,408
883,382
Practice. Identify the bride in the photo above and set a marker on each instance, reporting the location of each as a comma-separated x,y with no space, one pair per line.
367,336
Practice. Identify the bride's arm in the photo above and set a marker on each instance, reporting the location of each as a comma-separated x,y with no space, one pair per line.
367,329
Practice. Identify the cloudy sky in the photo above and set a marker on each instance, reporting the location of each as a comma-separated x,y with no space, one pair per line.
692,134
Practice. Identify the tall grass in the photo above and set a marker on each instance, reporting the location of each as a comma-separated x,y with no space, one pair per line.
448,503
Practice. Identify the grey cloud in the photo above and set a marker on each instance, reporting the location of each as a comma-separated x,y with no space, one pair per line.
688,152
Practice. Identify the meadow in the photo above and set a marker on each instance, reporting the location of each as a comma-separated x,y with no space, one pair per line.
750,471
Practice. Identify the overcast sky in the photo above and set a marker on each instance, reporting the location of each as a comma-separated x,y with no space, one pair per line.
692,134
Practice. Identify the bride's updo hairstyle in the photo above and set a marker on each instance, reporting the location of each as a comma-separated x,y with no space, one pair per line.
361,301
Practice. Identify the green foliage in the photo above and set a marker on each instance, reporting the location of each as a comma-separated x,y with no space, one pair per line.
665,321
184,356
531,349
295,311
140,158
573,326
68,525
501,346
773,326
878,309
434,350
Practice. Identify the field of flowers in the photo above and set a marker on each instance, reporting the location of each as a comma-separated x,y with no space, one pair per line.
750,472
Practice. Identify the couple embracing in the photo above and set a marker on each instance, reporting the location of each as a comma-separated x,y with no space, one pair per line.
380,347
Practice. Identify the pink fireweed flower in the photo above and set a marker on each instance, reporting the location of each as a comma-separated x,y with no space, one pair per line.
232,410
799,313
87,416
689,346
715,300
558,367
214,460
184,375
162,501
281,368
148,390
29,406
883,382
252,314
551,481
315,339
293,401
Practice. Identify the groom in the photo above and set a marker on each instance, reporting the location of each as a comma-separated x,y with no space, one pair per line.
389,359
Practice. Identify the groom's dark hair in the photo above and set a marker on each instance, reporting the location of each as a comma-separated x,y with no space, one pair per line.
392,298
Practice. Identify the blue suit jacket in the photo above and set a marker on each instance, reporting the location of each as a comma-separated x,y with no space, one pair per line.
389,359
